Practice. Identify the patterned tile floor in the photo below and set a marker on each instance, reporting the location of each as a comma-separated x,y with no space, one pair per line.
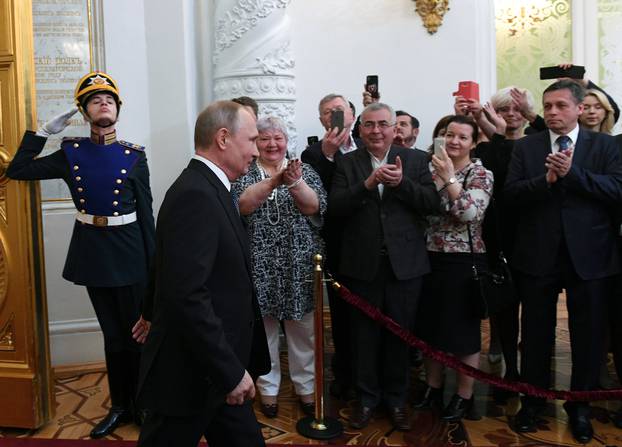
83,400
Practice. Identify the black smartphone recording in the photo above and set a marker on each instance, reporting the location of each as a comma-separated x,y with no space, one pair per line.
573,72
312,140
371,85
336,119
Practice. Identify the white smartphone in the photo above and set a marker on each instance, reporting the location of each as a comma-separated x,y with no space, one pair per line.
439,146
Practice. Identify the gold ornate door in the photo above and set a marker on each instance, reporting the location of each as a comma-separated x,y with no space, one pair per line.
26,397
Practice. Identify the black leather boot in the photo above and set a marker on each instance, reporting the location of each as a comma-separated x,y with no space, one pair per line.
119,403
432,398
457,408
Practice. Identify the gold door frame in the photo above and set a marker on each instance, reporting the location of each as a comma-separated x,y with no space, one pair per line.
25,373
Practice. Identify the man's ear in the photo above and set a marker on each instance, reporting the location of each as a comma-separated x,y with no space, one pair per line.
221,137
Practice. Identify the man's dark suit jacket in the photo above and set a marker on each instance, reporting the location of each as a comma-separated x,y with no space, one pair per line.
580,207
325,168
207,327
331,230
395,223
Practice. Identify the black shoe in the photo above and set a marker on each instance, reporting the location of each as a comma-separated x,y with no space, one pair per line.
399,418
432,398
579,421
270,410
617,418
361,417
581,428
115,417
457,408
308,408
139,417
526,421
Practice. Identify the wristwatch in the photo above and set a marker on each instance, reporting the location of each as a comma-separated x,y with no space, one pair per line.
451,181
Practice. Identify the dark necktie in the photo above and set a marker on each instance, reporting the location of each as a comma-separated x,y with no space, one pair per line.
236,203
564,142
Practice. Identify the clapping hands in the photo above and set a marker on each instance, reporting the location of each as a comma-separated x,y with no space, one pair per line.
558,165
389,175
292,174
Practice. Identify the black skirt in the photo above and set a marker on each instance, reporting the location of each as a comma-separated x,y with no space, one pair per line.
446,318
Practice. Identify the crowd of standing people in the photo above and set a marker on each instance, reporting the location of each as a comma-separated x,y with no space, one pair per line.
209,288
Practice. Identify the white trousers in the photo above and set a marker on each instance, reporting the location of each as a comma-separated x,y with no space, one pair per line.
300,353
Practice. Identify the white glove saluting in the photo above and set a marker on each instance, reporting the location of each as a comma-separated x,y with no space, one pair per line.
56,124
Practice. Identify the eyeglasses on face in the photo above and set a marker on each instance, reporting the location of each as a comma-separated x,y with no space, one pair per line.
382,125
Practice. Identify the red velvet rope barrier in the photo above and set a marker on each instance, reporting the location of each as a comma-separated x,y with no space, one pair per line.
454,363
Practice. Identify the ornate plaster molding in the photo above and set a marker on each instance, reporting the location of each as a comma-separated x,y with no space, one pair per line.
258,87
279,59
240,19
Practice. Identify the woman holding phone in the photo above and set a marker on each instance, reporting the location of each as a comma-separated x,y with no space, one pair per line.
447,316
283,201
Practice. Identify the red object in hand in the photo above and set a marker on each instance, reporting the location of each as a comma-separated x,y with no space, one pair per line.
468,90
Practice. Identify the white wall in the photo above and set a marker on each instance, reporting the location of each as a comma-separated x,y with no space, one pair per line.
337,43
159,52
156,72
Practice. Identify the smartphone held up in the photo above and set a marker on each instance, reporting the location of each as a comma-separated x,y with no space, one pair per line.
337,120
468,90
439,146
371,86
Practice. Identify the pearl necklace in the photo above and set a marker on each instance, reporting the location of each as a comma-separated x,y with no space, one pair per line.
273,197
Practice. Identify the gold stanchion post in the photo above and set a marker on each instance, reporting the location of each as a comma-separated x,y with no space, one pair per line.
319,426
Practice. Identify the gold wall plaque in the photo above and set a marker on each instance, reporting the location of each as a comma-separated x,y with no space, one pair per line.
432,12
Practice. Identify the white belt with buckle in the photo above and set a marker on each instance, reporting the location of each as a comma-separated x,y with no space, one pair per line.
106,221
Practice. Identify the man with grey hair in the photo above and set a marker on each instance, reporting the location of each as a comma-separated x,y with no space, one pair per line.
321,156
207,339
382,194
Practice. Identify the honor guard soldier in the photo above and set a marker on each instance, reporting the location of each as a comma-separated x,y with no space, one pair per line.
113,236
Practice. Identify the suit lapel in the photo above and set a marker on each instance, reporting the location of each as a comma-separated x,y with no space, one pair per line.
581,148
545,149
226,200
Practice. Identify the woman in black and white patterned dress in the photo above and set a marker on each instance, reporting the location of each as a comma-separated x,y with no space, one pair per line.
283,201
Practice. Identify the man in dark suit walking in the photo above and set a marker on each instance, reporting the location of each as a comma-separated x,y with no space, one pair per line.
321,156
382,193
566,183
206,339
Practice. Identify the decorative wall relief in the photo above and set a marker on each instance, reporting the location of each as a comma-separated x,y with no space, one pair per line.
432,13
7,335
253,57
241,18
542,43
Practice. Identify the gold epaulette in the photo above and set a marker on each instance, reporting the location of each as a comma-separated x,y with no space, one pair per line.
136,147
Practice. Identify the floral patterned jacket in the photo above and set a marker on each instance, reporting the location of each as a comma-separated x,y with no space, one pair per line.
447,232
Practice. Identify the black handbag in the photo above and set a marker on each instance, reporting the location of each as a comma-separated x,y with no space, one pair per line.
492,289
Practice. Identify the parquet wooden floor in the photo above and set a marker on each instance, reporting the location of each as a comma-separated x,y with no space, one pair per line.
83,400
